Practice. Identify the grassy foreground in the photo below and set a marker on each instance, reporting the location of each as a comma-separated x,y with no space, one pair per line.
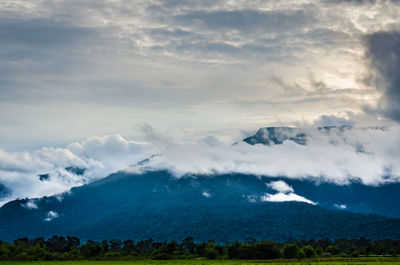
344,261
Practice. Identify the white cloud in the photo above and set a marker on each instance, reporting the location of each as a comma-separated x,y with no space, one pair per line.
285,197
206,194
280,186
332,120
285,193
30,204
51,215
100,156
338,156
341,206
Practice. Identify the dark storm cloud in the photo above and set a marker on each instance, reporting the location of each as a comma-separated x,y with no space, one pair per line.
384,55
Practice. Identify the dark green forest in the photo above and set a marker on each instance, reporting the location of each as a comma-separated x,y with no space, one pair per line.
71,248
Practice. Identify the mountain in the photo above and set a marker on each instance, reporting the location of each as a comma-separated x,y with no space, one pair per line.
277,135
155,204
356,197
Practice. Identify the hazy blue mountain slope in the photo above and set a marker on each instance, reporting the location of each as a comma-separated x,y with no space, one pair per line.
157,205
356,197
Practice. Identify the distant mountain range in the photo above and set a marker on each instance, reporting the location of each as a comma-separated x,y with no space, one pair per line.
221,207
157,205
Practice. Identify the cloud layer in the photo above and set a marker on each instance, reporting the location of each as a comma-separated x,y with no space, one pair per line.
366,155
100,156
339,155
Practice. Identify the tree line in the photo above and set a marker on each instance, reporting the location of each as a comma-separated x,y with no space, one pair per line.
71,248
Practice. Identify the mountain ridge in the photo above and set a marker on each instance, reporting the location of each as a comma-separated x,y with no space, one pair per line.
157,205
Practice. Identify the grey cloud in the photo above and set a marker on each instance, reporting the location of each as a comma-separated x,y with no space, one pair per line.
384,55
331,120
161,33
99,156
41,32
350,1
248,20
61,60
330,156
358,2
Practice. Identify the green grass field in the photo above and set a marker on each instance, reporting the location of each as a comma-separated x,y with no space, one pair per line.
355,261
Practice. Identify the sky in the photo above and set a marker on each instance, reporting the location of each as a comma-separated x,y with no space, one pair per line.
76,69
101,76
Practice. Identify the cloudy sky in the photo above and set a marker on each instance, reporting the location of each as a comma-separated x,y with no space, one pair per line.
76,69
85,82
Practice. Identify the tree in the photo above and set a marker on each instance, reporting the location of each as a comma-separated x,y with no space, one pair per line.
333,250
309,251
115,245
91,249
188,245
301,254
290,251
266,250
201,249
211,253
58,244
233,250
128,246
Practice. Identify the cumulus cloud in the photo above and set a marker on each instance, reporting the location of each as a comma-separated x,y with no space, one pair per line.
51,215
280,186
337,155
98,156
